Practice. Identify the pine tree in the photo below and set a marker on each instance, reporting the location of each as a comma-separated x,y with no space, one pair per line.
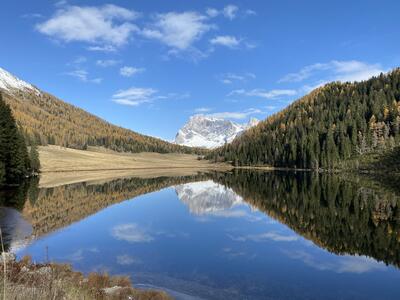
34,158
14,158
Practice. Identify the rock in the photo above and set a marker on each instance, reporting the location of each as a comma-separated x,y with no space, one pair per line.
7,257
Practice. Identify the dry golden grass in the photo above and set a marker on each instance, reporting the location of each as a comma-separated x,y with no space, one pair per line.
64,165
27,281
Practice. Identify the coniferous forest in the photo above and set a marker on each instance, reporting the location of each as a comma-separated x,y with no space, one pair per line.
16,162
334,123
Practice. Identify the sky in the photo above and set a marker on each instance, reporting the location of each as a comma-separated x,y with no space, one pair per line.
149,65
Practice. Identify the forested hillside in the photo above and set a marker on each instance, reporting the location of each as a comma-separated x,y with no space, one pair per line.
332,124
48,120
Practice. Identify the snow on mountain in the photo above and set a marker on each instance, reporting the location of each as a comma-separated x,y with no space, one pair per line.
209,132
207,197
9,83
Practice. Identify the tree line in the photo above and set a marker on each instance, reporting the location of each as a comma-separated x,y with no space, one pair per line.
17,161
334,123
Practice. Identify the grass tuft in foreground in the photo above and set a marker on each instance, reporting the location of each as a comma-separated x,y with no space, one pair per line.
25,280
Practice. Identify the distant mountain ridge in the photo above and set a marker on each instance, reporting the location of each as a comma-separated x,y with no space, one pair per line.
48,120
209,132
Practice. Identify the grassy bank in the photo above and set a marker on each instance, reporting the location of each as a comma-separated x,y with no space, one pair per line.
28,281
64,165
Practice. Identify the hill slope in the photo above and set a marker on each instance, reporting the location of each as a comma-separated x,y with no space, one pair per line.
48,120
325,128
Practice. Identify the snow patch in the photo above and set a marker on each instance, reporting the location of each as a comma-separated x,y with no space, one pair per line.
10,82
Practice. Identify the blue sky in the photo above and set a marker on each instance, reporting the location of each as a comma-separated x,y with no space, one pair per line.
150,65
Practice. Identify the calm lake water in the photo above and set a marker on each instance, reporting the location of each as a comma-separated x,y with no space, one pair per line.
242,235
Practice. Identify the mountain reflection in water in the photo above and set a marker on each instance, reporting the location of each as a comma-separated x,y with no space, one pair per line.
235,235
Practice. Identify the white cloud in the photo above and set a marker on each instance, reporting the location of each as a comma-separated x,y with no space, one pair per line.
131,233
125,260
202,109
105,48
78,60
355,70
212,12
78,255
270,107
340,264
61,3
230,11
239,115
106,26
32,16
134,96
335,70
229,78
225,40
250,12
83,76
238,213
274,236
130,71
272,94
178,30
107,63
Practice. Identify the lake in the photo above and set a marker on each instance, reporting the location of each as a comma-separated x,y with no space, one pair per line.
237,235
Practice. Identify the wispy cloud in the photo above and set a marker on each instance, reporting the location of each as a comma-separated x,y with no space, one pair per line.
230,11
78,255
226,40
126,260
335,70
131,233
250,12
105,48
203,109
107,27
136,96
32,16
229,78
127,71
341,264
79,60
212,12
239,115
261,93
261,237
107,63
83,76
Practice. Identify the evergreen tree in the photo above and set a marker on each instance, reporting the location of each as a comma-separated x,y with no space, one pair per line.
14,158
34,158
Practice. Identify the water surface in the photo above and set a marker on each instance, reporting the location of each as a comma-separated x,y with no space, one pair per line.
241,235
